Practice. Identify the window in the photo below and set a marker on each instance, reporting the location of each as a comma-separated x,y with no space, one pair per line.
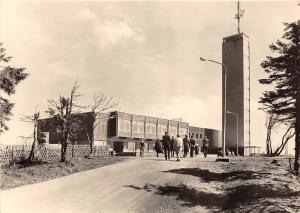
182,131
134,126
173,130
151,128
163,129
124,125
127,128
197,136
141,127
138,126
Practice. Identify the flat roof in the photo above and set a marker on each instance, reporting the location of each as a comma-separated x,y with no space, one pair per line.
150,117
235,36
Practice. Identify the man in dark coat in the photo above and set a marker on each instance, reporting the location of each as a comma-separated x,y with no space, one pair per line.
205,145
157,147
192,146
142,148
197,149
185,146
166,144
172,142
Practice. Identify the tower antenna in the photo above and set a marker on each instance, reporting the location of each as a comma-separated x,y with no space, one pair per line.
239,15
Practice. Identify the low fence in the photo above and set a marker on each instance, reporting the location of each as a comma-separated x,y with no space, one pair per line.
48,153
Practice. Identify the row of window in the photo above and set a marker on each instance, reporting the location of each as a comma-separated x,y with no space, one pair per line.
197,135
138,127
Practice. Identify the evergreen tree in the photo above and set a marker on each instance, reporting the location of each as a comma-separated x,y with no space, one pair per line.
9,78
284,75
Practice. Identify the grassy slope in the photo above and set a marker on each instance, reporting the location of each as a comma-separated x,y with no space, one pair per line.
19,175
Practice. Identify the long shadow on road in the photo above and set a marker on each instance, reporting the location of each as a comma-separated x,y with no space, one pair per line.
209,176
249,197
190,196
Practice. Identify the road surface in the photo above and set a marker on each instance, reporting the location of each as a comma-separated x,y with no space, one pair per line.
147,184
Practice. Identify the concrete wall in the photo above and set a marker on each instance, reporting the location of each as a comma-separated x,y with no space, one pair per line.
214,136
50,127
198,134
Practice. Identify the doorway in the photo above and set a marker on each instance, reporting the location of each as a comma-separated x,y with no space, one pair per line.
118,147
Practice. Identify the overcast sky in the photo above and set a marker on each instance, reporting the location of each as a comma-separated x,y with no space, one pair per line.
144,54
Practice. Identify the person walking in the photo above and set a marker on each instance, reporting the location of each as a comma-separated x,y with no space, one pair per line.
192,146
172,141
205,145
177,146
157,147
185,146
197,149
166,144
227,151
142,149
220,154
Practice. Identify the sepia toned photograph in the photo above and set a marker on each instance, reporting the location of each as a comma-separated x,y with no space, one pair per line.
149,106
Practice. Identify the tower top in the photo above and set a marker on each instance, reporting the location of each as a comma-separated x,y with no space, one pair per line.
235,37
239,15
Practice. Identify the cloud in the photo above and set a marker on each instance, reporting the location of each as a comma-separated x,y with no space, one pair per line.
114,32
110,28
86,14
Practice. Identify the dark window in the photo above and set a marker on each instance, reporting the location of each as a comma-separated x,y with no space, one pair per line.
197,135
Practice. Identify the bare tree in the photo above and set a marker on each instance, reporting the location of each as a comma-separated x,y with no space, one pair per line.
65,119
101,105
290,133
32,119
271,121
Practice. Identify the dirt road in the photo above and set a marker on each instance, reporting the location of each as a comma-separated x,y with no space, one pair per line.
156,185
133,186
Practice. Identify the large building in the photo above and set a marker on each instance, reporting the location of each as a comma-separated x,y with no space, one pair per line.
123,132
236,58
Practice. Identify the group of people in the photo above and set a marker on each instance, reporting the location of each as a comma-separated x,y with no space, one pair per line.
228,152
171,146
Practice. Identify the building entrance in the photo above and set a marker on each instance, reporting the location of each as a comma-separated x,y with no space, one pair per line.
118,147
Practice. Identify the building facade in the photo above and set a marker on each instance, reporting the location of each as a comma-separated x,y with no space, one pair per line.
236,57
123,132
